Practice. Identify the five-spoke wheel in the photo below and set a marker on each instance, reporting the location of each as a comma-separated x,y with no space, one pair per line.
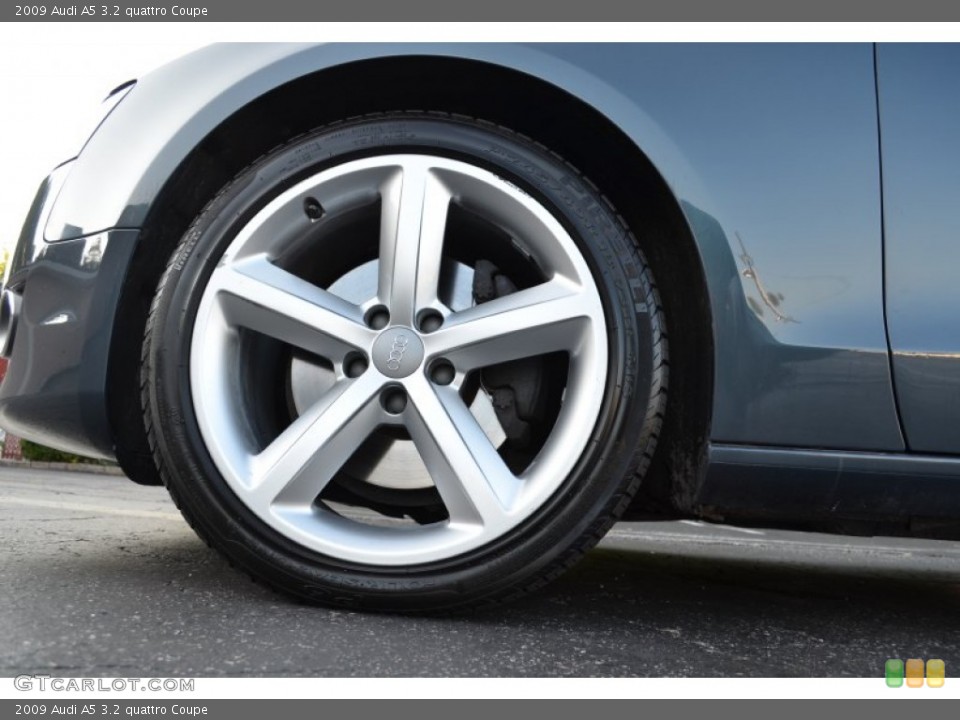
402,375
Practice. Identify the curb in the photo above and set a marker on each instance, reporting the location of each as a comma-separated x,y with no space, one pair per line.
69,467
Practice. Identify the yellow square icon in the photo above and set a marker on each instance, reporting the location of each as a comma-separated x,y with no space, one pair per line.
914,673
936,672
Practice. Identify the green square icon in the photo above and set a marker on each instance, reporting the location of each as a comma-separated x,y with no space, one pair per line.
893,671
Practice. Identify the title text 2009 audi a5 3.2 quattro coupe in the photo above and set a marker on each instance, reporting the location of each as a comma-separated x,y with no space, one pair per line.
411,326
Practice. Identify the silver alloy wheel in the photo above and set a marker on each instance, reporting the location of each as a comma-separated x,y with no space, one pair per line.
400,384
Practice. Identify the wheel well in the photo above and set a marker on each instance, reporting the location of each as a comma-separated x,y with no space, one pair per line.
506,97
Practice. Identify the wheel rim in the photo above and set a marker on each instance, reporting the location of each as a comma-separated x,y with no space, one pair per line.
397,374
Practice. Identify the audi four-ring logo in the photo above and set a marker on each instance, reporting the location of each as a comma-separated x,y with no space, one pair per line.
400,343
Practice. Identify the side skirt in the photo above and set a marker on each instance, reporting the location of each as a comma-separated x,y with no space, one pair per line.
793,485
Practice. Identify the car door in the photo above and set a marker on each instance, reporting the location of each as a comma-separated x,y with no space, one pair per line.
919,106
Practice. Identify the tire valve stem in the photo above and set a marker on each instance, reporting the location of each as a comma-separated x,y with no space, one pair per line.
313,209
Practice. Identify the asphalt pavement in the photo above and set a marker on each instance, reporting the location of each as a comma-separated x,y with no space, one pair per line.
100,577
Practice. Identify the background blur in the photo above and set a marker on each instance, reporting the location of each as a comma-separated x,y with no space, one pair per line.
50,94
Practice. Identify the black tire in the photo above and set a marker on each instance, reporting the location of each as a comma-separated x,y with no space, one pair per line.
558,533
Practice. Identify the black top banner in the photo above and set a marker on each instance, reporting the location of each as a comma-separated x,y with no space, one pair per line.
490,10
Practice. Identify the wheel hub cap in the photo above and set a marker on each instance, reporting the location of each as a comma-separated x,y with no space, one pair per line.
398,352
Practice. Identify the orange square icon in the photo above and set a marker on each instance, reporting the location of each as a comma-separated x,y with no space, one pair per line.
936,671
914,673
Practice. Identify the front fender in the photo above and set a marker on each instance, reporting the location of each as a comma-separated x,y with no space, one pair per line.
169,112
770,151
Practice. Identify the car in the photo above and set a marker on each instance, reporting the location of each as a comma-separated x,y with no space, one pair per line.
411,326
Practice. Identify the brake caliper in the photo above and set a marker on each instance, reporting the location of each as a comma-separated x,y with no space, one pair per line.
517,389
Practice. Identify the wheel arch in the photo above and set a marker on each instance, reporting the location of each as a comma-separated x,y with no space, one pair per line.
575,129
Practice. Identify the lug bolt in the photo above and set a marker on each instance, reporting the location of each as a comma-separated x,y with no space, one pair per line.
378,317
312,208
393,400
442,372
354,365
430,321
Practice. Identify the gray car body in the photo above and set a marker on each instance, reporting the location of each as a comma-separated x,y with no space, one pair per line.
817,182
